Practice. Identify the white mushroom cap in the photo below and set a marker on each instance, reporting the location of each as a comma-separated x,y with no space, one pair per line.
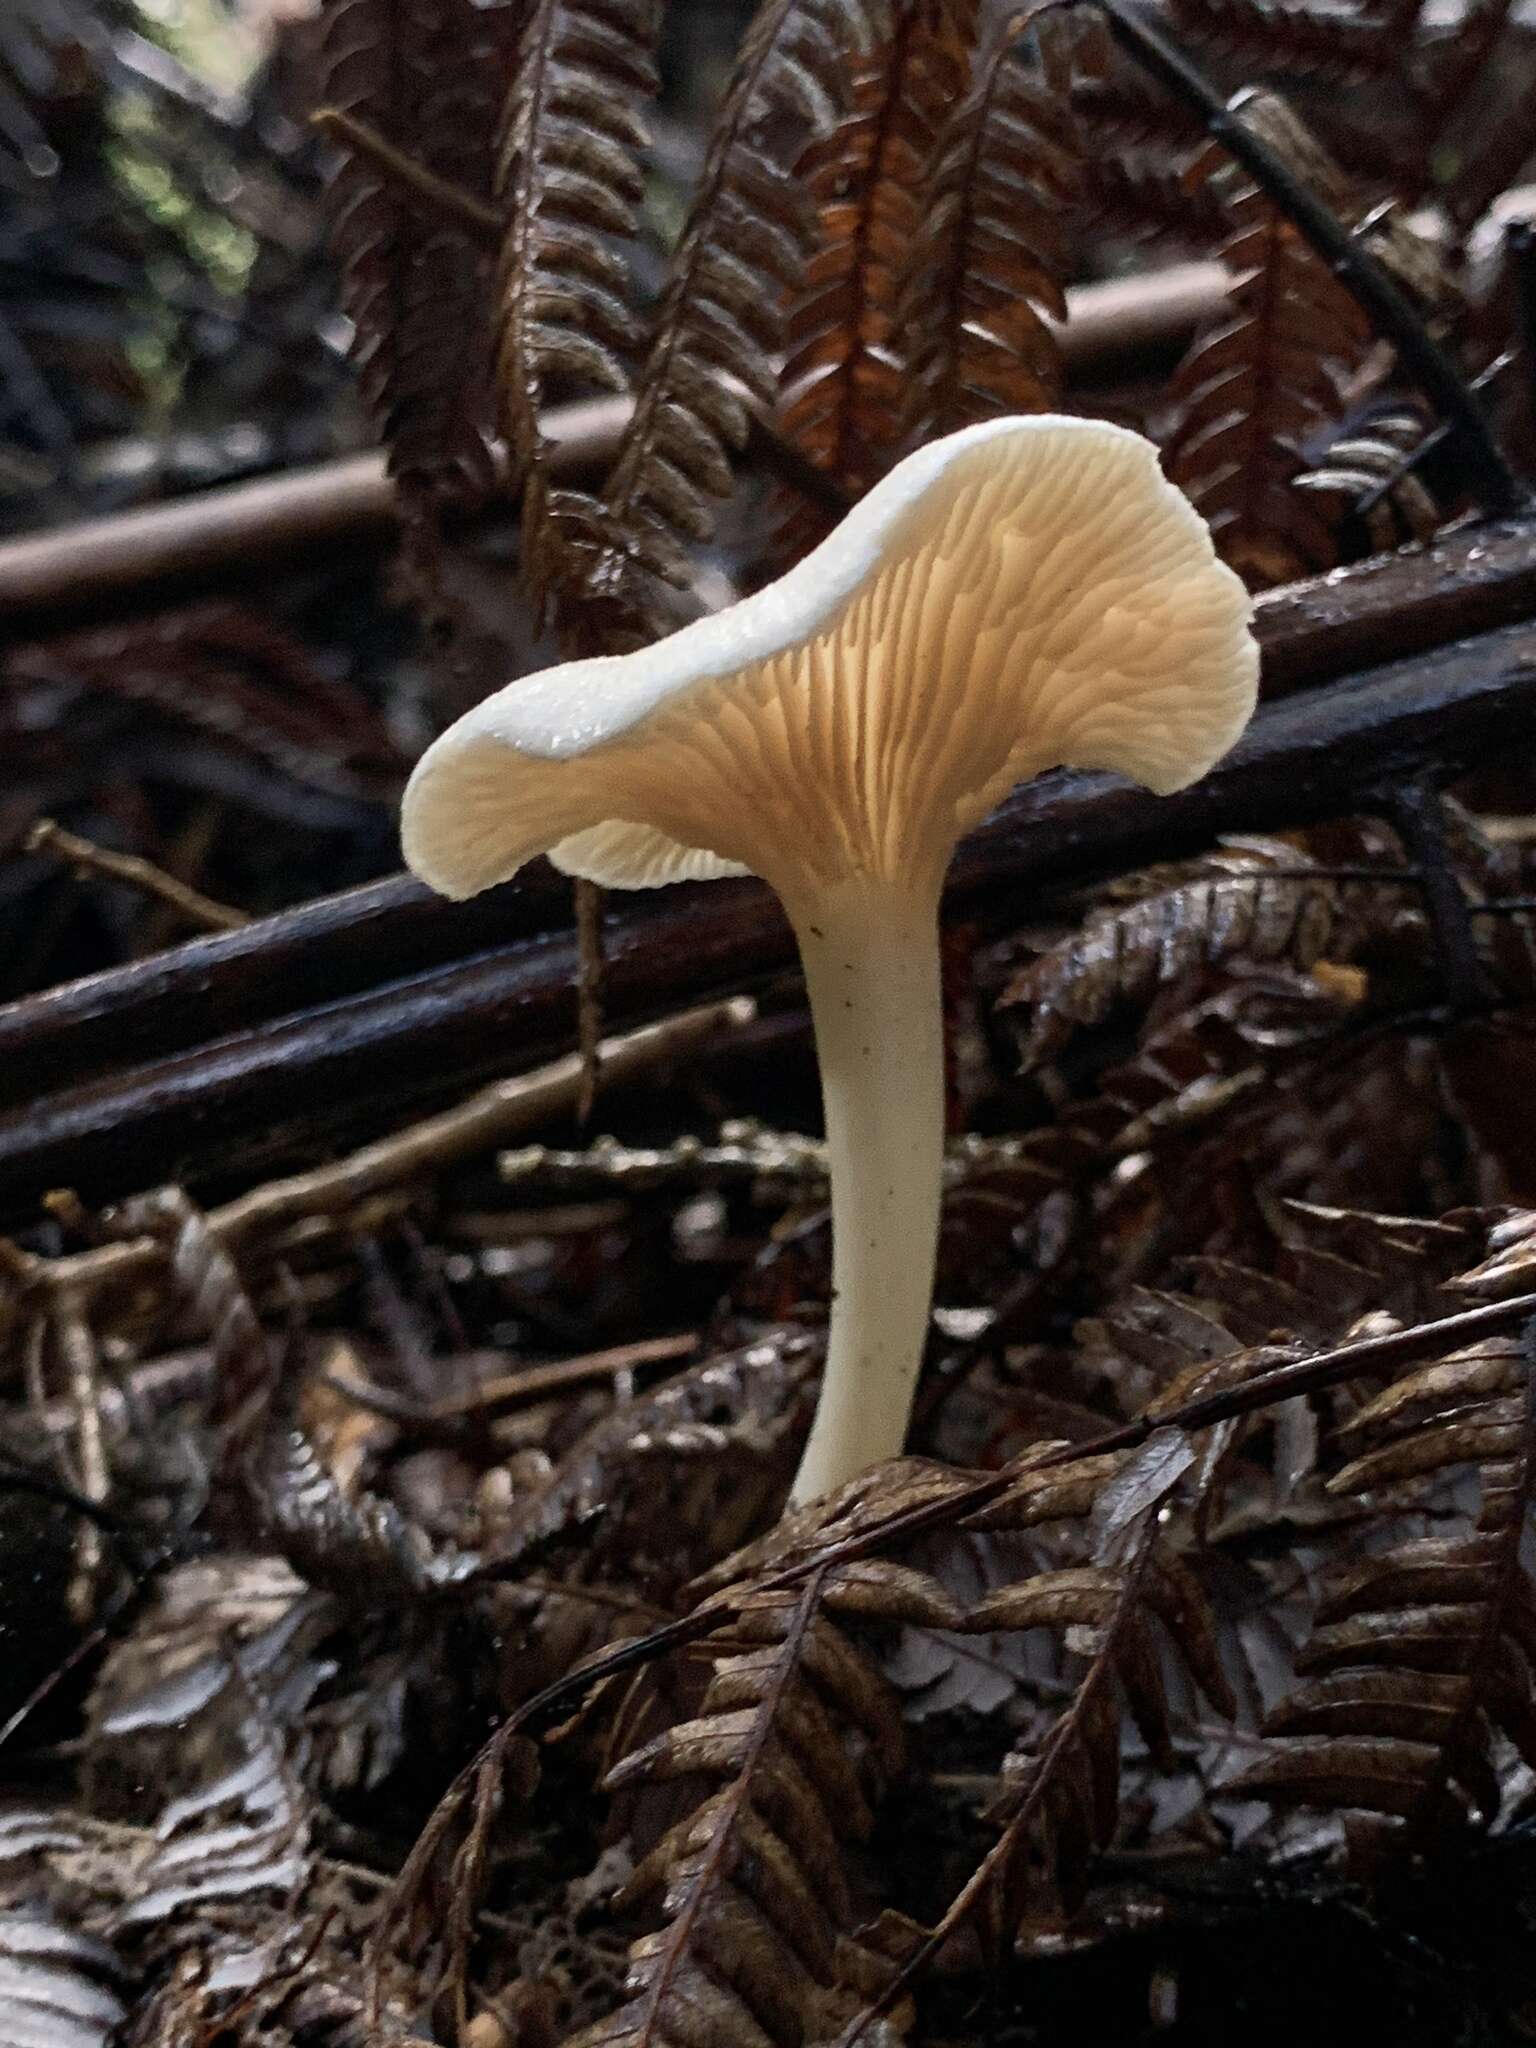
1024,594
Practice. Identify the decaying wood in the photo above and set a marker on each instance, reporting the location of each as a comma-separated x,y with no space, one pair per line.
1392,605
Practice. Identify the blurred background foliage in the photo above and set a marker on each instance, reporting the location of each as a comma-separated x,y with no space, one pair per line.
168,306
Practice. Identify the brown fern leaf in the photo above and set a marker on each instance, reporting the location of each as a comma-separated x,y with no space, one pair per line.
1120,107
1274,35
987,270
271,1475
1232,908
1061,1798
569,178
1138,193
719,325
427,76
688,1469
845,400
1117,1496
245,1829
1366,479
795,1732
1338,1274
221,671
1254,393
1422,1656
1403,1264
1509,1266
808,1536
206,1277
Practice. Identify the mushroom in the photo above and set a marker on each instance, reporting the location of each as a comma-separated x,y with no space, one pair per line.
1023,594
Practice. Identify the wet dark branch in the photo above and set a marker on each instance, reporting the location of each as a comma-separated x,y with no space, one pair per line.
489,989
347,945
1391,312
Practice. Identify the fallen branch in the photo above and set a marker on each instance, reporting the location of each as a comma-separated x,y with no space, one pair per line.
87,858
482,1123
495,1398
284,1085
130,557
342,946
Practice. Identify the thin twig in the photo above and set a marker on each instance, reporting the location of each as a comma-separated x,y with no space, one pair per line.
77,1352
479,1124
87,858
500,1396
1348,258
467,210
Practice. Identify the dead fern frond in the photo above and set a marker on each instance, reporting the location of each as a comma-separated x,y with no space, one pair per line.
569,179
1061,1795
359,1546
1234,908
274,1485
844,386
220,671
1509,1266
1422,1656
705,1458
719,325
1255,393
1415,260
796,1731
206,1278
1282,35
246,1829
1121,109
1260,395
1138,193
1367,479
987,270
166,1711
427,76
58,1987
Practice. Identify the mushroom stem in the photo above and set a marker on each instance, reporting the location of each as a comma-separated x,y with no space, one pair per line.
871,955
